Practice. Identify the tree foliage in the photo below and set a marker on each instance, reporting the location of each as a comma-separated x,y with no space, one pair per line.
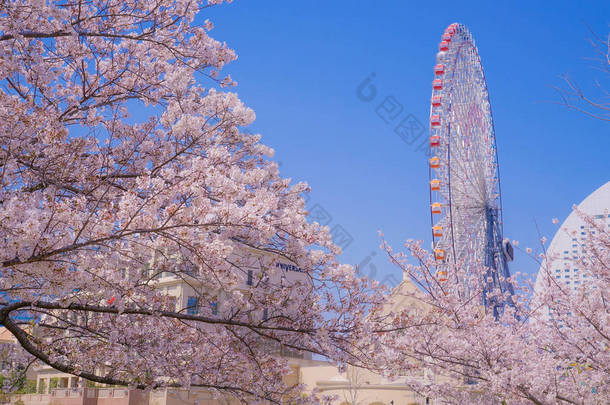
122,159
525,355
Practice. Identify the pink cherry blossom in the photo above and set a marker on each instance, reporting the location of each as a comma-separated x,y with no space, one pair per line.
98,205
550,347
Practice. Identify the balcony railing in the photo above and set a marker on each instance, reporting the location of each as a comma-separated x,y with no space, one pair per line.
75,393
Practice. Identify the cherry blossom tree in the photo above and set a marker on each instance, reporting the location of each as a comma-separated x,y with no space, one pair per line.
523,356
122,160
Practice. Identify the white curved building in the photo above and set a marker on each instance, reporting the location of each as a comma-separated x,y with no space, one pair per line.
567,243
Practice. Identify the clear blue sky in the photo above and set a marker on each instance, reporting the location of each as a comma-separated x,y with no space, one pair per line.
300,63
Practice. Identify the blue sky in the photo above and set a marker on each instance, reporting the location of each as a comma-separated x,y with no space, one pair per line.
300,64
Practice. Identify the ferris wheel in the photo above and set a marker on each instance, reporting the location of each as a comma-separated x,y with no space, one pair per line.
465,198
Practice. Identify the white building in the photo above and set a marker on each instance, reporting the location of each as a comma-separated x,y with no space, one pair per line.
567,244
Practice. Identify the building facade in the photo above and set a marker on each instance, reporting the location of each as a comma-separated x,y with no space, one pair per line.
352,387
189,295
567,246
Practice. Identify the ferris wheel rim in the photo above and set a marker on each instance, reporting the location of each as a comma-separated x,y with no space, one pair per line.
469,43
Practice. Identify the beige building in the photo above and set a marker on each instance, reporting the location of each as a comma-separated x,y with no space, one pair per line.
353,387
358,386
6,337
189,295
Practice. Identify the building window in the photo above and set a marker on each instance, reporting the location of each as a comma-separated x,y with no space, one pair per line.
249,282
265,314
214,307
192,304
